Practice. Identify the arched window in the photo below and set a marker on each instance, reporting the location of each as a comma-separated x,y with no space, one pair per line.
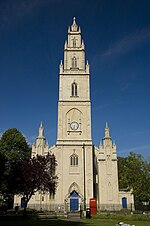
74,89
74,160
74,62
74,42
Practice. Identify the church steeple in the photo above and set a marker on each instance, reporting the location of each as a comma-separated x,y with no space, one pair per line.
74,119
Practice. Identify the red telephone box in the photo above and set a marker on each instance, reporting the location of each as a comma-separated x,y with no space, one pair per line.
93,206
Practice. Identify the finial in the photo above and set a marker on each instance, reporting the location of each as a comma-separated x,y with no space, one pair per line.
65,46
107,125
41,125
107,133
82,43
87,67
61,67
74,26
41,131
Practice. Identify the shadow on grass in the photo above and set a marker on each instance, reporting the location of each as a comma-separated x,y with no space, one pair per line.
33,221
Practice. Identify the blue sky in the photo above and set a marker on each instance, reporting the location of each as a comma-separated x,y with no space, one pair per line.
117,40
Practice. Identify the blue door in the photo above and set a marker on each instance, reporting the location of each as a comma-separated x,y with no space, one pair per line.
73,204
124,202
23,202
74,201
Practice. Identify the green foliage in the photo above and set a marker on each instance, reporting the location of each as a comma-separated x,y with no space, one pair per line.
13,145
13,149
134,173
37,174
2,167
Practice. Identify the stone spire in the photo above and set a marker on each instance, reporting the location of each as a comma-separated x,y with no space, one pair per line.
39,148
41,131
74,26
107,132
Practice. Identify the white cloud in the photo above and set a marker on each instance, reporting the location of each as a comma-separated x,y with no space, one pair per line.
124,87
135,133
120,47
138,149
127,43
13,11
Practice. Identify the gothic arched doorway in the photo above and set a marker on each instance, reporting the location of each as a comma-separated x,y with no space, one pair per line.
74,201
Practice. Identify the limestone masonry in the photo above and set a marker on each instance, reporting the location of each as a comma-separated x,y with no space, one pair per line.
84,171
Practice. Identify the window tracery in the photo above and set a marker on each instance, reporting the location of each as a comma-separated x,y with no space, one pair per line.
74,160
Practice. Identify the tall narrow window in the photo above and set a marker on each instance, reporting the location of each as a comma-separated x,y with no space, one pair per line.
74,160
74,62
74,89
74,42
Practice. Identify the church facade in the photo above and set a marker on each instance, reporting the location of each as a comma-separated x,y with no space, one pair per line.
84,171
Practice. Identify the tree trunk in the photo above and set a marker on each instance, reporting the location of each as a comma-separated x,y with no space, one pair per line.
25,209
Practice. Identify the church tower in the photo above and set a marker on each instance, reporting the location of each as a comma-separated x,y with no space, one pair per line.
74,105
107,173
74,150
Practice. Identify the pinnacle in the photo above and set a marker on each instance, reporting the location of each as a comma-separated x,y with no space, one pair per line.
107,125
107,133
41,125
74,26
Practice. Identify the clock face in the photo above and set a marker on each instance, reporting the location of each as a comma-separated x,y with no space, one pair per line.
74,125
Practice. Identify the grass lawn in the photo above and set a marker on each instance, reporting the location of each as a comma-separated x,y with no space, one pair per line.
59,222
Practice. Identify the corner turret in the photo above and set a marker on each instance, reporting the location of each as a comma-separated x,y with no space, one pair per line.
40,147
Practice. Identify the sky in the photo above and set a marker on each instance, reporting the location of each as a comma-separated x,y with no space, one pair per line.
117,39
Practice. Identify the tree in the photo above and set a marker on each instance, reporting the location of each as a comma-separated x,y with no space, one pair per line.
13,148
13,145
134,173
2,169
37,174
